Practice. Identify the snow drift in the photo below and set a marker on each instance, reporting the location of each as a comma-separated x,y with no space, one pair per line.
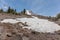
36,24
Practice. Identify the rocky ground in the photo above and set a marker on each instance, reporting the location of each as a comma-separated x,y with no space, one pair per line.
17,32
9,16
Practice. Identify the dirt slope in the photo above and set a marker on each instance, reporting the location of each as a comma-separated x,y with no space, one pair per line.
16,32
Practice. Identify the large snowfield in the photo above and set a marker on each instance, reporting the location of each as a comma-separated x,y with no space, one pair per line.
36,24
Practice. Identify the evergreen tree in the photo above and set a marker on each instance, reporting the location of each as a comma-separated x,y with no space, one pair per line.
49,17
24,11
14,12
10,10
1,10
58,16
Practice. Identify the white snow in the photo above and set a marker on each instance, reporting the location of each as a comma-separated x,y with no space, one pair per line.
28,13
9,21
36,24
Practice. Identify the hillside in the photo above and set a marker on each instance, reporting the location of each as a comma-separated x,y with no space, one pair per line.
28,26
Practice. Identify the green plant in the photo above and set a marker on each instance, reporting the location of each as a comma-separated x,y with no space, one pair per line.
23,12
1,10
10,10
58,16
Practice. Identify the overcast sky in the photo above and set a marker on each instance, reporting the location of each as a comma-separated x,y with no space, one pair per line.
43,7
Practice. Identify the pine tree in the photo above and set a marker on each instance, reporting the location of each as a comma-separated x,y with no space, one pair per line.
1,10
10,10
58,16
24,11
14,12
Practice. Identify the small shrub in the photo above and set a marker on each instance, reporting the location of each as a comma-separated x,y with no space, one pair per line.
58,16
1,10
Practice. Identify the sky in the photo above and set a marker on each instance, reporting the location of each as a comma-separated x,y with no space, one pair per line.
42,7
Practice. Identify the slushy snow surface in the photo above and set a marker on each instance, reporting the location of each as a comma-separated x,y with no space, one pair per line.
36,24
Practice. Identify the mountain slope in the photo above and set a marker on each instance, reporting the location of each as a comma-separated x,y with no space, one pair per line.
28,27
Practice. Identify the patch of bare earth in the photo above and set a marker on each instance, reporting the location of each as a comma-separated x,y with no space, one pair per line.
10,16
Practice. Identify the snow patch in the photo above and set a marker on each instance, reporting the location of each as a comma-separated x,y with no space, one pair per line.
28,13
9,21
36,24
